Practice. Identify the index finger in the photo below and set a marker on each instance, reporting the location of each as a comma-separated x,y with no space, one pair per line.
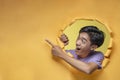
49,42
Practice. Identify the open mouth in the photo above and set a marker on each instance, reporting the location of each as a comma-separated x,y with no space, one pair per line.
77,48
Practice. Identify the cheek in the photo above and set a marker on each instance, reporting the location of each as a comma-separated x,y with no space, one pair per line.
87,47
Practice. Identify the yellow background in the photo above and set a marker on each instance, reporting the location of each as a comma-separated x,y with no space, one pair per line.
24,24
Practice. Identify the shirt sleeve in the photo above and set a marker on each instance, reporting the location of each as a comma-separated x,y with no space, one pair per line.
97,58
70,51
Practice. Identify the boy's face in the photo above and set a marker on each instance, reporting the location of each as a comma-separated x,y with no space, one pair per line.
83,45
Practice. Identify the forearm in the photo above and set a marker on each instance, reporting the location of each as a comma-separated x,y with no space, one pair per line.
82,66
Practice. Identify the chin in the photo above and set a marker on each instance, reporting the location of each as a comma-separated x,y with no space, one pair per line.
78,53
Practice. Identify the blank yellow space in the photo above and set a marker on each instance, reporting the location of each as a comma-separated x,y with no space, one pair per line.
24,24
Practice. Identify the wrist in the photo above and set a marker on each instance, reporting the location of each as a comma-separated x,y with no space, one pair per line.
63,56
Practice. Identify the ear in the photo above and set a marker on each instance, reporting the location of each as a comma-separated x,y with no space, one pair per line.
93,47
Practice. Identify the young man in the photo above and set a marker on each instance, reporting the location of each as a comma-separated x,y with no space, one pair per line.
85,59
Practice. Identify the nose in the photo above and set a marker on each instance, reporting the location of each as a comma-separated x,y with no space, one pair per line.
78,43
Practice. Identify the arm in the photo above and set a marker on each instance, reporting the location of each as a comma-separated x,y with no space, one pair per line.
82,66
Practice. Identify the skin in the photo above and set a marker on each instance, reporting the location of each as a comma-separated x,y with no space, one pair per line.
83,48
83,45
64,39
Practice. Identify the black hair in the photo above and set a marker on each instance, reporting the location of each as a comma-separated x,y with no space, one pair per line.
96,35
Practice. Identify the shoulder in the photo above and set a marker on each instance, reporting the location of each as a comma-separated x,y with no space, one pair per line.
98,53
97,57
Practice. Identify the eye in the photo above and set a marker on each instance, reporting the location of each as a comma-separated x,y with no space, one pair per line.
83,41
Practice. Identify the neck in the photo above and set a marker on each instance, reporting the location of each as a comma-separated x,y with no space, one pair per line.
85,55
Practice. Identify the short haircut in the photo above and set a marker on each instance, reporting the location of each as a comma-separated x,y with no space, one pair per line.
96,35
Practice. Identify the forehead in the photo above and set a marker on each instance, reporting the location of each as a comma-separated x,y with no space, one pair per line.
84,35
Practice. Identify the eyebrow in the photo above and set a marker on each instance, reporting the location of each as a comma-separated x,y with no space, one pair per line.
84,39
